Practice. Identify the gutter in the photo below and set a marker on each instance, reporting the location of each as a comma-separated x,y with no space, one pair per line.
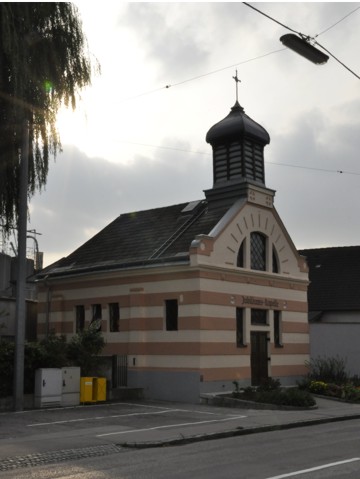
148,263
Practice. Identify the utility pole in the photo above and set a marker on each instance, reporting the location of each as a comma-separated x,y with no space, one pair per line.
21,274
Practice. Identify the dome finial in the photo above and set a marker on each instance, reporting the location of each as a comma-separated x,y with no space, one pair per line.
236,82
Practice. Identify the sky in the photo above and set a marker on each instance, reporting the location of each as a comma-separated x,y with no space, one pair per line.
137,138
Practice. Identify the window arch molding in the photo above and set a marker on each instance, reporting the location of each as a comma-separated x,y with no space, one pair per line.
257,251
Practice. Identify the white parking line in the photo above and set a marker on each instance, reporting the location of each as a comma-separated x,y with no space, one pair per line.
97,418
170,425
318,468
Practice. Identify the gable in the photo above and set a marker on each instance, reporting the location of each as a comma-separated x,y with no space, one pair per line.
235,229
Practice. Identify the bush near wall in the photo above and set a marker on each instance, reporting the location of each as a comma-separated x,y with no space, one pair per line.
54,352
271,392
328,377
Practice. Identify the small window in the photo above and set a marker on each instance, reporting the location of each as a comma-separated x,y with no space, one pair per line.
114,317
258,251
96,312
171,314
275,262
240,257
277,329
258,316
240,332
96,316
79,318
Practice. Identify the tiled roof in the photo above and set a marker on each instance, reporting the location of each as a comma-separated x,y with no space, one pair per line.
142,237
334,275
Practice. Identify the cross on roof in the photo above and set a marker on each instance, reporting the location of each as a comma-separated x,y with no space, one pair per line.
236,82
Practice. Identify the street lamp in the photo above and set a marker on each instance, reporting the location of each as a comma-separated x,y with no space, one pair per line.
304,48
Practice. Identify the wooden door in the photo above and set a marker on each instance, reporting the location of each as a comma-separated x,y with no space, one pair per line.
259,358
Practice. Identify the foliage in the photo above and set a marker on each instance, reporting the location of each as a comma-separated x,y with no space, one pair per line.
269,384
7,349
32,359
350,393
318,387
329,370
271,392
84,349
286,397
43,64
328,377
53,352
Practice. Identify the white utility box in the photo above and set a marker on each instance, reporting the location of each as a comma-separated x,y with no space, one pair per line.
48,389
70,386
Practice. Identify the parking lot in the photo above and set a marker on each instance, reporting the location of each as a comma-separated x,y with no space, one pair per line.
47,430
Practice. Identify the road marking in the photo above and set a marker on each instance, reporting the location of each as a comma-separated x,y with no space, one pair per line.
318,468
97,418
170,425
164,410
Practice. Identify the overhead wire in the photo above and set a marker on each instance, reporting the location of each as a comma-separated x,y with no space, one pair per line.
307,37
335,58
271,18
336,23
314,169
241,63
266,163
205,74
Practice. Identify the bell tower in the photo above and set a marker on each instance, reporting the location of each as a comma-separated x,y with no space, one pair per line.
238,154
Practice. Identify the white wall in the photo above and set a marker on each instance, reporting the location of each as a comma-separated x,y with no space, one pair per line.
331,340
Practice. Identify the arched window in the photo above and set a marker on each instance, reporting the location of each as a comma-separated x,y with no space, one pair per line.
241,256
258,251
275,261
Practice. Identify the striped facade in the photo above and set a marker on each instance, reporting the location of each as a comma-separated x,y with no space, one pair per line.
201,349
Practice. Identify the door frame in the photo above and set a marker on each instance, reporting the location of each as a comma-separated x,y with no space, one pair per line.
259,357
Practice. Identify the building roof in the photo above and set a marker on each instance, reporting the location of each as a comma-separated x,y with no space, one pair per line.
334,275
142,238
237,124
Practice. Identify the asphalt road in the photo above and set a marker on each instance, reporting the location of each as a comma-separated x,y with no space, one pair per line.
50,430
92,442
317,452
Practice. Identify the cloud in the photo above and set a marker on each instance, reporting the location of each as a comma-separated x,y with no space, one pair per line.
84,194
168,36
318,206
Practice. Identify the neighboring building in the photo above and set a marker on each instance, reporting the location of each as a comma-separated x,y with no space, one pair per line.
8,299
196,295
334,304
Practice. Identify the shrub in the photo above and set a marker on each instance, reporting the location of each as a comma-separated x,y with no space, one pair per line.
355,380
84,349
272,393
7,349
334,390
350,392
329,370
318,387
52,352
286,397
269,384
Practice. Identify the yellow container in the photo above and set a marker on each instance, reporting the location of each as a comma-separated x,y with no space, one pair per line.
99,392
87,390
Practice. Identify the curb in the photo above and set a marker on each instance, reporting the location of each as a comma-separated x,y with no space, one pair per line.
235,432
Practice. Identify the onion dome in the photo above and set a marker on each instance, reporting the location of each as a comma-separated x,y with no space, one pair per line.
238,148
